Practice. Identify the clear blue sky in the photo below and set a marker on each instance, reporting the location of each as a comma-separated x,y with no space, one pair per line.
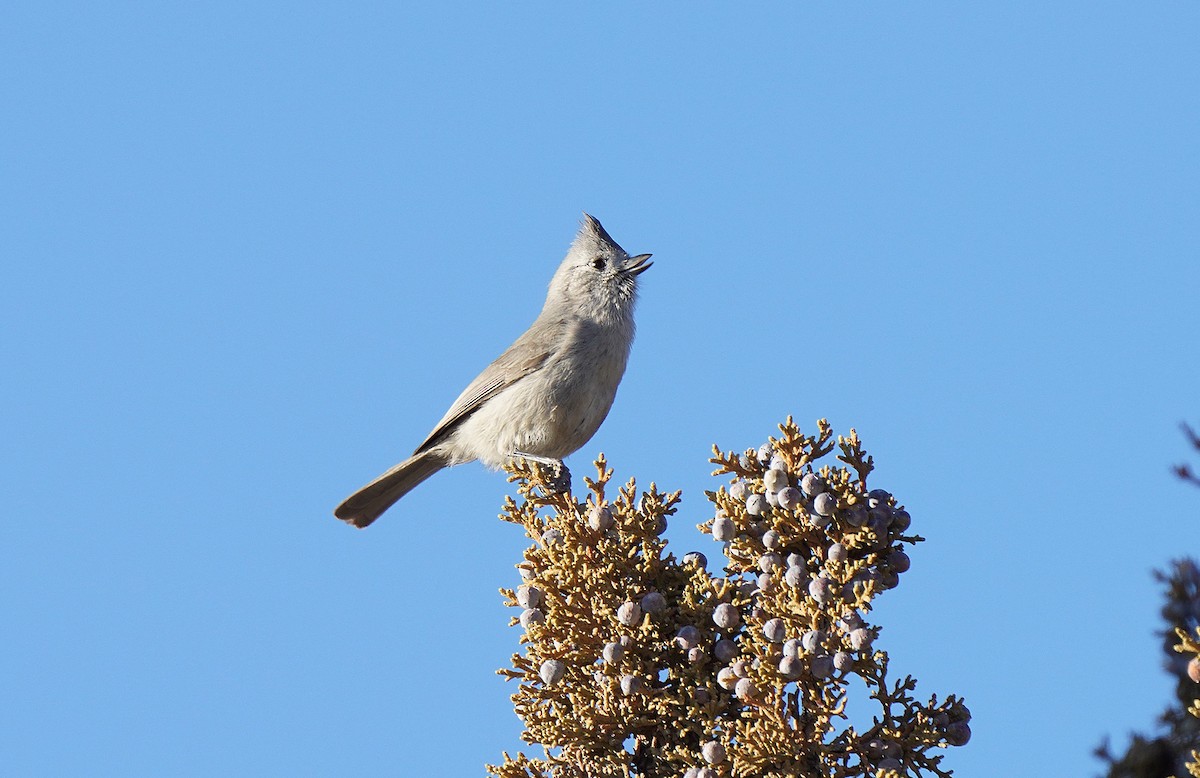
250,253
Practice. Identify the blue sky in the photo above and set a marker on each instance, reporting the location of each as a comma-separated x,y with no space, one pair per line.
251,252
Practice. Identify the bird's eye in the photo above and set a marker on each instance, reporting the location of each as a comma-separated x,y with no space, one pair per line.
598,263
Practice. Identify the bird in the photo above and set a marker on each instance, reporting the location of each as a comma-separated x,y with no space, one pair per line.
547,394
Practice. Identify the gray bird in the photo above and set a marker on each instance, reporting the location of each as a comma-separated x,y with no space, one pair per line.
545,396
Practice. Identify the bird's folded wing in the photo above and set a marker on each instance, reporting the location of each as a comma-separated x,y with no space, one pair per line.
510,367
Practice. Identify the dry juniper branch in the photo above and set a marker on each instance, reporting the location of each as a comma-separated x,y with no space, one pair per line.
638,664
1175,748
1184,470
1189,647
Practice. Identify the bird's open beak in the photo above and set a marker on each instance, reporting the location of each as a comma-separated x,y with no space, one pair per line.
637,265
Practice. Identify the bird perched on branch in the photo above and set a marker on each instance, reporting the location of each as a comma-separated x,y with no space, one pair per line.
545,396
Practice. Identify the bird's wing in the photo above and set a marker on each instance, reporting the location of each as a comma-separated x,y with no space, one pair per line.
518,361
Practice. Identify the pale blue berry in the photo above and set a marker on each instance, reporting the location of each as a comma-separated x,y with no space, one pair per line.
726,616
771,539
769,562
725,650
745,689
529,596
695,558
791,668
774,631
629,614
723,529
821,666
792,647
860,638
958,733
901,520
812,640
631,684
726,678
600,518
795,576
653,603
899,561
825,504
812,485
738,490
774,480
838,553
551,537
613,652
713,752
531,616
688,637
821,590
552,671
756,505
843,662
790,497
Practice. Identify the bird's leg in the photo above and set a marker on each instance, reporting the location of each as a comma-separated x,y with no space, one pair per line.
561,482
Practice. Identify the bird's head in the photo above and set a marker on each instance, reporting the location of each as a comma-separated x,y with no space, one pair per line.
598,279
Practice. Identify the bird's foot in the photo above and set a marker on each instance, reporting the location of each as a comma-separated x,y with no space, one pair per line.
560,480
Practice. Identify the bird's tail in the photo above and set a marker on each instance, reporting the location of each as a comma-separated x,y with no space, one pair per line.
366,505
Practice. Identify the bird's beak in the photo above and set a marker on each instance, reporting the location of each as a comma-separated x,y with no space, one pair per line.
637,265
